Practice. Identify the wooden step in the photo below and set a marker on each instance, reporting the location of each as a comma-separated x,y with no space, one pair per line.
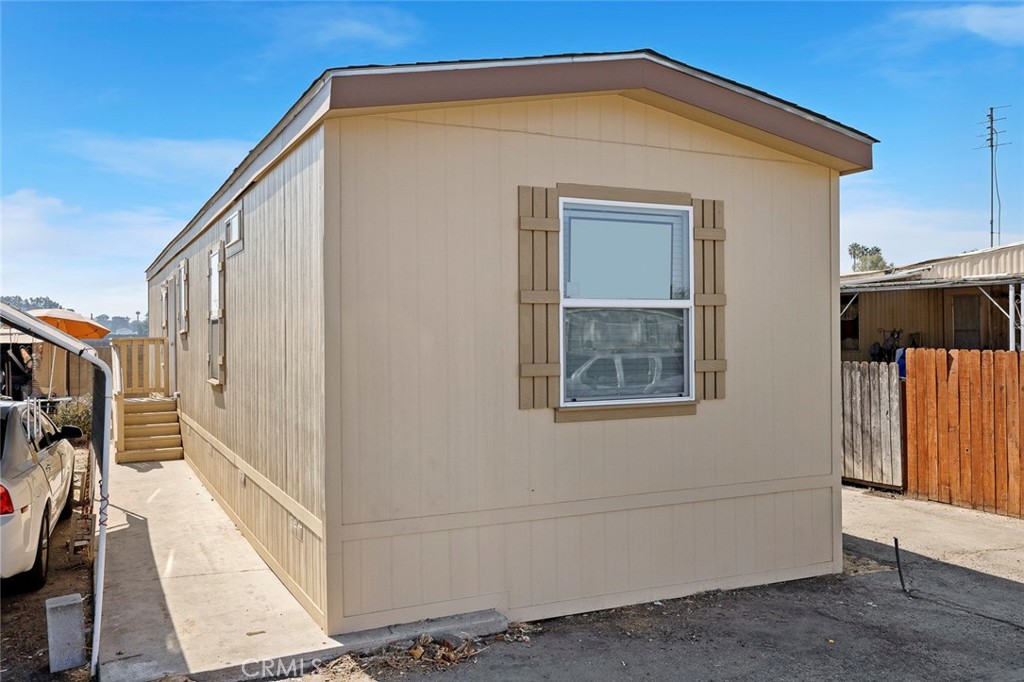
152,442
143,430
150,455
136,405
147,418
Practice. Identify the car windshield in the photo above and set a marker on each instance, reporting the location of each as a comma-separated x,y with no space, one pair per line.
3,434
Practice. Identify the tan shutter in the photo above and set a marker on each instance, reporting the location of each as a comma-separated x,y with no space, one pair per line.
222,266
539,226
538,297
183,312
709,297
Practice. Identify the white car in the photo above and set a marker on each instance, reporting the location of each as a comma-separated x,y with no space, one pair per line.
37,465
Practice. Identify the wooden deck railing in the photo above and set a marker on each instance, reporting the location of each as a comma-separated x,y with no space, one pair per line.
140,369
144,365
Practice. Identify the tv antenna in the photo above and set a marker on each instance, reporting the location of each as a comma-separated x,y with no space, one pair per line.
995,203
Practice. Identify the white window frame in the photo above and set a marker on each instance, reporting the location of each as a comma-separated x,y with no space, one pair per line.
673,304
234,243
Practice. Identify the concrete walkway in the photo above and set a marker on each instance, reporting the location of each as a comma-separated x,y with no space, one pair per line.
187,596
971,539
185,592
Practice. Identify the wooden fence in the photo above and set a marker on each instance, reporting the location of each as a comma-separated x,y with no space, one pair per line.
872,433
965,412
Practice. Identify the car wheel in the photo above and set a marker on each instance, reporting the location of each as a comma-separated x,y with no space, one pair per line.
69,503
36,576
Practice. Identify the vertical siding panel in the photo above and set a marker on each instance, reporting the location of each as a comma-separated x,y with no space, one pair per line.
465,574
543,567
592,555
640,542
404,301
766,548
663,568
785,530
705,542
406,570
436,563
461,328
519,558
432,319
568,559
616,557
491,544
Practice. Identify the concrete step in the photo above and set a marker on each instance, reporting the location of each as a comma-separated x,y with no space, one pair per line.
152,442
144,430
131,419
136,405
149,455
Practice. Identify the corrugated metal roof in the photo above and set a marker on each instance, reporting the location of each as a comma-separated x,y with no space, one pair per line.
997,265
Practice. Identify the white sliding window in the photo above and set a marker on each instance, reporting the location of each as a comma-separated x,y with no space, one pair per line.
626,302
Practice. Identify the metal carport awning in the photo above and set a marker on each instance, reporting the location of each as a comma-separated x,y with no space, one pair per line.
102,384
910,280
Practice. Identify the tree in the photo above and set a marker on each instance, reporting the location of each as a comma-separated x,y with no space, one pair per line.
867,258
31,303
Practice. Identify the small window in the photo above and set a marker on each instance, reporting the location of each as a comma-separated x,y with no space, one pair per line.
627,307
233,232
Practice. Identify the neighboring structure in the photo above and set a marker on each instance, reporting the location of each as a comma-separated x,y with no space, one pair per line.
955,302
366,334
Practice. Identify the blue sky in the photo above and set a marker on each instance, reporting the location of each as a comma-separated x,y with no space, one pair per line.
118,120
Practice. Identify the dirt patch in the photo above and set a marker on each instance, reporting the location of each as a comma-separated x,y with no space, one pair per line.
23,644
856,564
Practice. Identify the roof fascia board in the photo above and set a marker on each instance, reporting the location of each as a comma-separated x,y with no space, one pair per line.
364,89
640,55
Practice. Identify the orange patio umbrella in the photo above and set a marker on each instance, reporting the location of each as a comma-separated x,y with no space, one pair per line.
72,324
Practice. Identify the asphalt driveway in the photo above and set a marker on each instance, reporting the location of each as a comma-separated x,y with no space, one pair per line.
963,618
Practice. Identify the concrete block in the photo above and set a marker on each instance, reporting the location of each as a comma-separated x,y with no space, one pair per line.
65,629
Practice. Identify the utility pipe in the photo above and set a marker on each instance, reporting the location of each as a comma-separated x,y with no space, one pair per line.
101,546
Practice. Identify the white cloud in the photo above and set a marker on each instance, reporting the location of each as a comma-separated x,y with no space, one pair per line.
156,158
1000,24
92,261
340,25
908,232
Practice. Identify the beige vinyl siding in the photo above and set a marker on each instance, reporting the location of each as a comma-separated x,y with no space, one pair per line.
451,496
258,442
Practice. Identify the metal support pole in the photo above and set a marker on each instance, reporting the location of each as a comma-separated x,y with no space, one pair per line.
1013,317
1020,320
